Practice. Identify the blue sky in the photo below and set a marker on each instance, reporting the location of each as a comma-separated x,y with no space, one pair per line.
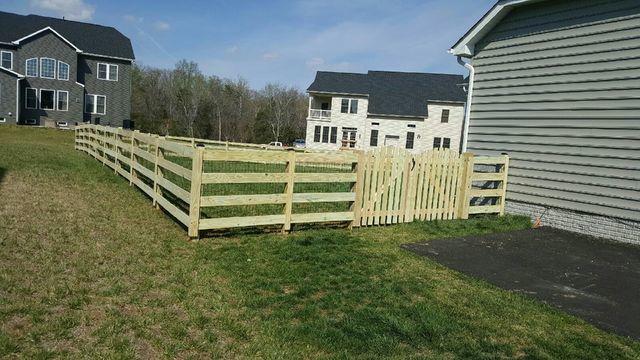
280,41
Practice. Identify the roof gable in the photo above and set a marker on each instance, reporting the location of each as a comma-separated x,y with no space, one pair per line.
393,93
466,45
88,38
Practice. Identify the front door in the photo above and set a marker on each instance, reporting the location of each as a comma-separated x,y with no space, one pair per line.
392,140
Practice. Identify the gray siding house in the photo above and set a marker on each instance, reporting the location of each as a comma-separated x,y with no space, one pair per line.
60,73
556,85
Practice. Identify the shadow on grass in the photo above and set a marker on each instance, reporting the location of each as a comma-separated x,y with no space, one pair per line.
3,171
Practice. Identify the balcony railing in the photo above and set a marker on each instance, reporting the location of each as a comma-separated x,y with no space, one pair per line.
319,114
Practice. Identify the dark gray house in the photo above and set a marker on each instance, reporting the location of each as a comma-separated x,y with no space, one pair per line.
556,85
59,73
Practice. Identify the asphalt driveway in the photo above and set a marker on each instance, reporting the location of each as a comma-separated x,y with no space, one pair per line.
595,279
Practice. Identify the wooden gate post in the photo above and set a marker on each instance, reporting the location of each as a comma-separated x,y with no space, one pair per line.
466,183
503,184
356,206
196,192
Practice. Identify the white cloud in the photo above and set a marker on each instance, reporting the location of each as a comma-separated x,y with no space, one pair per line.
315,62
269,56
69,9
132,18
233,49
161,26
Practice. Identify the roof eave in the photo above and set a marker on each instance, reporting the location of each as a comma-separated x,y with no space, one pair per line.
335,93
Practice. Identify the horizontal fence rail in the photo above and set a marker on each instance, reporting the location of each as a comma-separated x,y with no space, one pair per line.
208,185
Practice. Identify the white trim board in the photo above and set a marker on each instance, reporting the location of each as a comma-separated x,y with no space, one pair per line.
48,28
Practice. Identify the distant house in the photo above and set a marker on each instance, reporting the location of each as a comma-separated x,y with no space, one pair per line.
415,111
556,85
56,72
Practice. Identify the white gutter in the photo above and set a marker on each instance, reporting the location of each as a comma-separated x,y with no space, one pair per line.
467,112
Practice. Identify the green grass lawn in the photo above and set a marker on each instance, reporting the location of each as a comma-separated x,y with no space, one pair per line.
88,268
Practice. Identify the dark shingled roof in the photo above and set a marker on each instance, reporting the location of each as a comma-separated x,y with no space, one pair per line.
394,93
90,38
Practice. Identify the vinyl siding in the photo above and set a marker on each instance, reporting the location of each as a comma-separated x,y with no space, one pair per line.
118,93
8,85
558,88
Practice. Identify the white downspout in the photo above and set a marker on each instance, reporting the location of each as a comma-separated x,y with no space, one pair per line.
467,112
18,100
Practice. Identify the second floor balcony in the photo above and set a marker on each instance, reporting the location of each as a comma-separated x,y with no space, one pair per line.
320,107
319,114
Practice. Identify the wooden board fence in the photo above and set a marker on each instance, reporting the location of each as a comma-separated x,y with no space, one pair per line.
217,188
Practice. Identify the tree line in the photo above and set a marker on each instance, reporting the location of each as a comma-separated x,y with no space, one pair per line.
185,102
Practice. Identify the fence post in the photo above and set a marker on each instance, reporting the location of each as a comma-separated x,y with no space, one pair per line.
465,185
132,174
288,190
196,192
356,206
505,171
156,189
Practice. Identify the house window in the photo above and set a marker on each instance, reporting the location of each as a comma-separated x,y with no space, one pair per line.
7,59
107,72
63,100
410,138
95,104
349,137
437,142
334,135
63,71
317,133
345,106
3,120
446,143
47,68
31,97
349,106
47,99
445,116
354,106
375,124
374,138
32,67
325,134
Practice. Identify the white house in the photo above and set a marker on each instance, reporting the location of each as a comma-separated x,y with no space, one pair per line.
416,111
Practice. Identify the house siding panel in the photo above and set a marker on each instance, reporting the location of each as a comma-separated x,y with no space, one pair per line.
8,85
118,93
558,89
48,45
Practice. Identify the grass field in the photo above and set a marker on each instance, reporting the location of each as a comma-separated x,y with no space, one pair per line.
88,268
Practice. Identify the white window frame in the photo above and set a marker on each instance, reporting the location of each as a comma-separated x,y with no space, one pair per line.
107,72
62,124
26,98
54,99
2,54
68,70
26,67
95,104
3,120
349,105
55,65
58,100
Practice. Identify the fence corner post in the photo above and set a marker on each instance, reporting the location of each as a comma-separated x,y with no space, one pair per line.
466,185
505,171
196,192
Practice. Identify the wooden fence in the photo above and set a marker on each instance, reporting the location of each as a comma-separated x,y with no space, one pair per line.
223,187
